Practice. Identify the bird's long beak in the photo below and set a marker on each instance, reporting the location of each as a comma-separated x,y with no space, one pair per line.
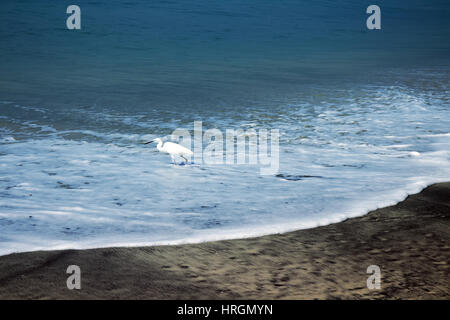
149,141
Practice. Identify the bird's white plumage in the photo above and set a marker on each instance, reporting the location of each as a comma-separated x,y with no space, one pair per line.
173,149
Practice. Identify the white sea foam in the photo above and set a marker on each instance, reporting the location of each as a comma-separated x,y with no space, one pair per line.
92,187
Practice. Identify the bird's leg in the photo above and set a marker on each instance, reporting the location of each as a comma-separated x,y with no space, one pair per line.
173,159
185,159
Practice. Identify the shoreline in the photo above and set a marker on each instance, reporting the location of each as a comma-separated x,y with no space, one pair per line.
233,234
409,241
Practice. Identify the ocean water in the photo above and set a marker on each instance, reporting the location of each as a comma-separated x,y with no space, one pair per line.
364,116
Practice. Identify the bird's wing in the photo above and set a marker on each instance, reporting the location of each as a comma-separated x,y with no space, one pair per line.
176,148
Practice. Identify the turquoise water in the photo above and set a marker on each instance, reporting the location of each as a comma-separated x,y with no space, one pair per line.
363,115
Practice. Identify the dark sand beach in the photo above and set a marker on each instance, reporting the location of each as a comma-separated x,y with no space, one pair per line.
410,242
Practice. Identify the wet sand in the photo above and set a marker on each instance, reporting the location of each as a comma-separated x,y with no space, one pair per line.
410,242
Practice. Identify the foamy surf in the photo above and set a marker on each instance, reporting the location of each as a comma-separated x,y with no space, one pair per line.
96,185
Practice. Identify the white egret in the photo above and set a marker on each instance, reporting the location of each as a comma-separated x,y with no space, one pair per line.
173,149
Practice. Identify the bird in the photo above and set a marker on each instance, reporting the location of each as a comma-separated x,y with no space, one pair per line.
173,149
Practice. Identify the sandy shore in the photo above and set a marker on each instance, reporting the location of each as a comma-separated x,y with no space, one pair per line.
409,241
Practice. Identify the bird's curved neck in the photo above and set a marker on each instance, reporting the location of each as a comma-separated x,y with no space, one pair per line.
160,145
